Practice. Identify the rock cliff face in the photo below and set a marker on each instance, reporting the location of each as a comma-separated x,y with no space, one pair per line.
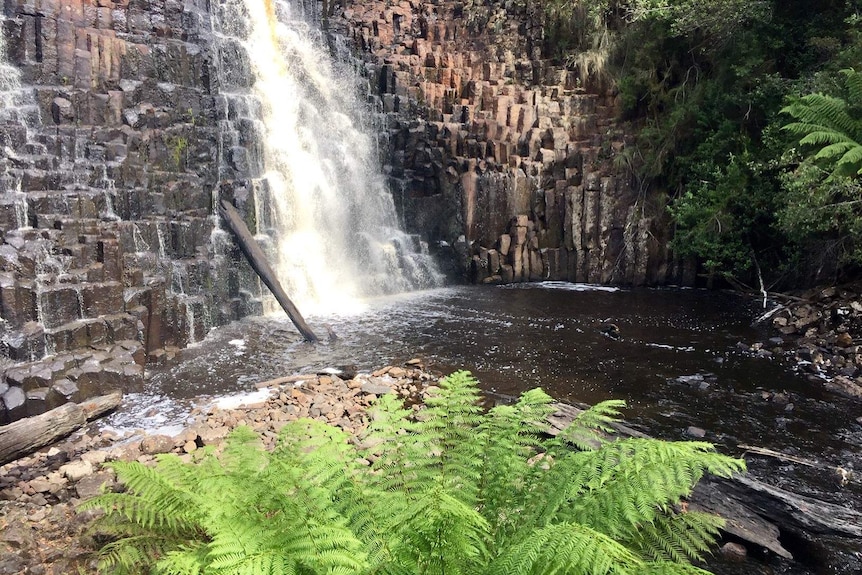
112,139
490,141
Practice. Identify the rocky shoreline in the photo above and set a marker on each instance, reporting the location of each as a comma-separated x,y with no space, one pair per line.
41,533
820,331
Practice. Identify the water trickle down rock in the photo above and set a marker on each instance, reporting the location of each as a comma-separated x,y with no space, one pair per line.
107,139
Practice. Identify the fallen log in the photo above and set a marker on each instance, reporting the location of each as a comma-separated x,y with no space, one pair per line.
753,510
258,262
25,436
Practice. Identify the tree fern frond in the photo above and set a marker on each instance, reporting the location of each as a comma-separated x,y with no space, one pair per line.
633,479
565,548
440,530
833,150
587,429
240,454
132,554
677,537
833,125
511,436
669,568
449,426
450,490
850,163
853,80
187,560
828,111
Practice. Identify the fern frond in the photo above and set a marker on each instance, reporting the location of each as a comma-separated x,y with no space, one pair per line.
633,479
449,428
187,560
850,163
853,80
440,531
833,150
819,109
511,435
669,568
677,537
565,548
451,490
133,554
587,430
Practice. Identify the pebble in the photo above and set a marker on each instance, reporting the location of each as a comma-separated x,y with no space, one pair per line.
76,470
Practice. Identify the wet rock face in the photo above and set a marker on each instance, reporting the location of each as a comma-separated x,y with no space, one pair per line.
109,155
489,140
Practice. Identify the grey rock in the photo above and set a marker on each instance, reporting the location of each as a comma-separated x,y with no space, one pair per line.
375,388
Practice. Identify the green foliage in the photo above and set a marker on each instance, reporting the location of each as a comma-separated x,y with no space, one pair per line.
822,182
704,83
832,125
451,489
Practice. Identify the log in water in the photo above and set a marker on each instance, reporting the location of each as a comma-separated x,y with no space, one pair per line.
258,262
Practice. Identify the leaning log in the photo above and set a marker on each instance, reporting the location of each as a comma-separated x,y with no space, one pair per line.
258,262
753,510
25,436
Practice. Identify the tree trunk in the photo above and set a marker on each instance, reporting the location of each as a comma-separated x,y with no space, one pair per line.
258,262
27,435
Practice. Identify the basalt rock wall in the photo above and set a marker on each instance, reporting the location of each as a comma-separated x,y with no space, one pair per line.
514,161
114,139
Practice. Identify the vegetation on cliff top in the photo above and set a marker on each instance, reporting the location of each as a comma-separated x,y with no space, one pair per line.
748,116
448,489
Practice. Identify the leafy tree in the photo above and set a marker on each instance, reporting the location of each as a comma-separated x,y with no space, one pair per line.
450,490
832,125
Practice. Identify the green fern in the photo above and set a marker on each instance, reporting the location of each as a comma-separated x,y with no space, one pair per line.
450,489
833,126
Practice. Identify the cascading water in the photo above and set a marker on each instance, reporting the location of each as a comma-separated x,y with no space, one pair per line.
328,206
16,103
18,113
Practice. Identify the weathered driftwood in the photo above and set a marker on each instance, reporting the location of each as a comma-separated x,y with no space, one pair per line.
752,509
27,435
842,473
258,262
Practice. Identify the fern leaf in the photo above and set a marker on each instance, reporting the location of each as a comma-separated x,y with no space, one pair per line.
633,479
565,548
853,81
586,430
677,537
850,163
669,568
441,531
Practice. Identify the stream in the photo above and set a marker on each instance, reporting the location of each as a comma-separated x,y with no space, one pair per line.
678,363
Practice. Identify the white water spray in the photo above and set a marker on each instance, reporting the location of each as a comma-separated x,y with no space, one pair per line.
333,217
17,102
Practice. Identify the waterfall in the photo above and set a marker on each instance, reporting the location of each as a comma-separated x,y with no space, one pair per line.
328,207
18,115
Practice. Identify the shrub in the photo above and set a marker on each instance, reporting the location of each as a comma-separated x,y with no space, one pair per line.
451,489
